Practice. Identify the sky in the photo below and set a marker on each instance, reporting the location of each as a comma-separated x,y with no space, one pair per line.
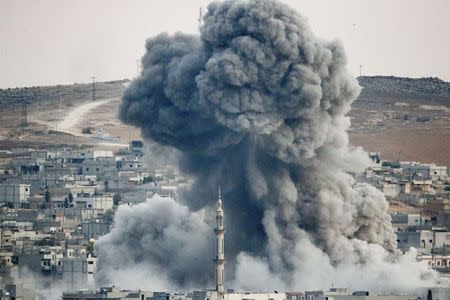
47,42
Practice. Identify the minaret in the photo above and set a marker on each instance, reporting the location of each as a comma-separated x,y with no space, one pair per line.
219,230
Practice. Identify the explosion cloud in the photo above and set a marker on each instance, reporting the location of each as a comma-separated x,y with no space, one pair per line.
256,104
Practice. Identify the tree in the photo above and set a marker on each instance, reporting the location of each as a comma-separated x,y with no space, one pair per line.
148,179
3,262
116,199
70,198
48,196
90,249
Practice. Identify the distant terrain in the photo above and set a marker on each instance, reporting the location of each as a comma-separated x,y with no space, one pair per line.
403,118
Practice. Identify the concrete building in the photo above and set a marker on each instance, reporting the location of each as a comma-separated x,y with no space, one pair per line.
214,295
402,222
51,259
295,296
389,189
94,228
16,193
128,165
423,186
98,167
98,202
369,297
79,269
441,238
425,171
435,261
255,296
108,293
136,148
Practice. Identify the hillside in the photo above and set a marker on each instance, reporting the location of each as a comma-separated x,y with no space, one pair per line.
77,91
403,118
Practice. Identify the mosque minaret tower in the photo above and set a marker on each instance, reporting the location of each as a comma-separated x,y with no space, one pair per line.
219,259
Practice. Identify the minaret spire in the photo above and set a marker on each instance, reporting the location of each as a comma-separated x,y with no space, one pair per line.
219,259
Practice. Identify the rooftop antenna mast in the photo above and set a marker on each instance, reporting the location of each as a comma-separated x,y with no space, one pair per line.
93,88
200,19
360,70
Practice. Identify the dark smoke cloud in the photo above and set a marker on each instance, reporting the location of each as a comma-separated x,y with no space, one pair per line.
257,104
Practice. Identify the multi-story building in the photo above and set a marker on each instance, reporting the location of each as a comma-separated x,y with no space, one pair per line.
15,193
51,259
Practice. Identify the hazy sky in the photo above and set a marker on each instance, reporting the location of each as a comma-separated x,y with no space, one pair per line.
45,42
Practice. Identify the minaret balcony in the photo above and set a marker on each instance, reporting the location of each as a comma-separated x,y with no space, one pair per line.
218,230
219,260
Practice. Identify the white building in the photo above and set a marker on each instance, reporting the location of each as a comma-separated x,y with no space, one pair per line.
389,189
99,202
425,171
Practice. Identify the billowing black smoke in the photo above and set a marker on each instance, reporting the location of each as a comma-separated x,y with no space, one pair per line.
257,105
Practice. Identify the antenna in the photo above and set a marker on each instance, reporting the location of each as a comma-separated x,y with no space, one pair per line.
200,19
93,88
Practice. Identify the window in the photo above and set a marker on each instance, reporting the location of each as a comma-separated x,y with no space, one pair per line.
90,262
431,241
87,169
97,169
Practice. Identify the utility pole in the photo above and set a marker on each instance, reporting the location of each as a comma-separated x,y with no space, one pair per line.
60,101
93,88
25,114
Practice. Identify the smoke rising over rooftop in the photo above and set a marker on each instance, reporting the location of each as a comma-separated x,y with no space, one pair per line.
256,104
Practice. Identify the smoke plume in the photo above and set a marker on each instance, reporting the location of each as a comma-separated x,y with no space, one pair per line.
257,105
